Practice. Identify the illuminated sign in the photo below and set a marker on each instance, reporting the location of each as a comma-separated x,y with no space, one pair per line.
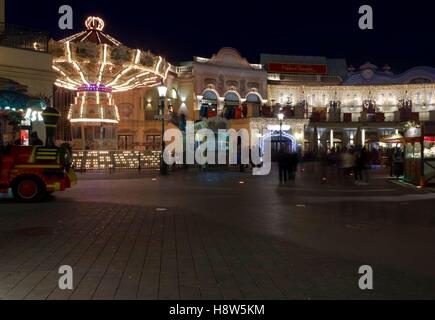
298,68
413,133
33,115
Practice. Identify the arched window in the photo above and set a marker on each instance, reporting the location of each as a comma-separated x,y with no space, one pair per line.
253,98
232,99
253,104
231,102
209,104
210,95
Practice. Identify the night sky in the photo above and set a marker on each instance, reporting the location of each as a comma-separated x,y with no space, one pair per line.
403,35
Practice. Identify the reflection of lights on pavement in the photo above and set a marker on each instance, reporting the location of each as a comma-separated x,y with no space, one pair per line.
324,179
301,206
161,209
154,179
241,182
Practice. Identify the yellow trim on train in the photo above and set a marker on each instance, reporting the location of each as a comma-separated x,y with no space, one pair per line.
36,166
46,158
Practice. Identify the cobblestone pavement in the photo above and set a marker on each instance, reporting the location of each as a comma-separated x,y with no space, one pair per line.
221,235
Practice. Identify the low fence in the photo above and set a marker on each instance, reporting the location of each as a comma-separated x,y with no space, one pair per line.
14,36
115,161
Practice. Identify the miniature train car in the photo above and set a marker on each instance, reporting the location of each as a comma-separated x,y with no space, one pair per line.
34,172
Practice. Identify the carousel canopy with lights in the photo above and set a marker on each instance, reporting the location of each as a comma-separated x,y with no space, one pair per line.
94,65
93,58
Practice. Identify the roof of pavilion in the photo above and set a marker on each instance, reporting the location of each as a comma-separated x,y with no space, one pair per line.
93,34
368,74
94,59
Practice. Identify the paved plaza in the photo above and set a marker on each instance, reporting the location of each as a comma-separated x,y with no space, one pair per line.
221,235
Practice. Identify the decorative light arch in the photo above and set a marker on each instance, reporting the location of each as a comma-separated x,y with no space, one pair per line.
273,134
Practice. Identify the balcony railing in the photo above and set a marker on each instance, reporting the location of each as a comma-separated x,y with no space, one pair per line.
304,78
14,36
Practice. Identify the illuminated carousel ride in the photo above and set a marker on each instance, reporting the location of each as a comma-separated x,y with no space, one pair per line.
95,65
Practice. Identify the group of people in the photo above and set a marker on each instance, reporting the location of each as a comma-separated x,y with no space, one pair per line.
396,161
288,166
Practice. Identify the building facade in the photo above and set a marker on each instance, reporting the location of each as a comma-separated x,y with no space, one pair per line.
325,104
26,81
366,106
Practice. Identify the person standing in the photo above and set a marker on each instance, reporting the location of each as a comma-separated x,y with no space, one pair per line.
361,166
34,139
283,166
398,162
389,153
347,163
293,165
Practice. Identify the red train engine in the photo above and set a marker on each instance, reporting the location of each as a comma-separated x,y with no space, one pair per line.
35,171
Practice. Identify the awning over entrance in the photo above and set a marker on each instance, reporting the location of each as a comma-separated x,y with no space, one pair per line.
395,138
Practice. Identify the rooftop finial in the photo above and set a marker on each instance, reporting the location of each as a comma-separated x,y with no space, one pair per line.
94,23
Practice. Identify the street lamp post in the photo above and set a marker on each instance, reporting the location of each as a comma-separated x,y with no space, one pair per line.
281,118
162,94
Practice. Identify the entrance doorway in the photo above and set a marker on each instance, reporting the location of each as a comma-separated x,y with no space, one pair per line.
125,142
288,143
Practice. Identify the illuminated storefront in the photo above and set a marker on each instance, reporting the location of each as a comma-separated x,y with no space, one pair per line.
420,153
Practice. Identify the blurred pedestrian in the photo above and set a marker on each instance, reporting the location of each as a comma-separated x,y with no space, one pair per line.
293,161
361,167
34,139
398,162
283,167
348,162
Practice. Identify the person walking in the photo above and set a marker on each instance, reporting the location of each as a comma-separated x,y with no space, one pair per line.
398,162
347,163
283,167
361,166
293,161
389,153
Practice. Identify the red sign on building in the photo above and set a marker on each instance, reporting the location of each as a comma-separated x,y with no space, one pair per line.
298,68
